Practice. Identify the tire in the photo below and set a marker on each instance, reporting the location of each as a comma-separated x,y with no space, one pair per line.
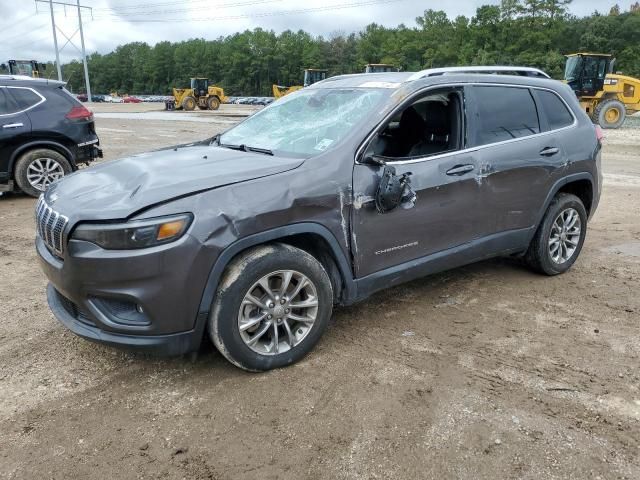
230,308
213,103
189,103
610,113
541,252
50,162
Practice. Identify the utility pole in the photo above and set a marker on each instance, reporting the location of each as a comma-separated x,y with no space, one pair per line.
55,41
80,30
84,54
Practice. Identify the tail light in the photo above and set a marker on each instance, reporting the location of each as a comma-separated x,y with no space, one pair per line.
599,133
80,112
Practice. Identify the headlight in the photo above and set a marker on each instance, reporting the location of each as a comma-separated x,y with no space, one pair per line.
135,234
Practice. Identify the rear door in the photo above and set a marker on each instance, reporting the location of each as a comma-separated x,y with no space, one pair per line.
519,161
15,127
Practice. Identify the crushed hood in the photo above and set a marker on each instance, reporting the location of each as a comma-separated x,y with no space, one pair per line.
120,188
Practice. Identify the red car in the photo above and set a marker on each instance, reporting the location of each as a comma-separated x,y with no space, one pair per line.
131,100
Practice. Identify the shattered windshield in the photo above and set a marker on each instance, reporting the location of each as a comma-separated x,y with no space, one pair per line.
572,69
306,122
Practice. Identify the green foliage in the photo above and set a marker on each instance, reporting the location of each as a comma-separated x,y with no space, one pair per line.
535,33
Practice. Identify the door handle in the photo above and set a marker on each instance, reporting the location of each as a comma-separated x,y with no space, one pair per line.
549,151
13,125
460,169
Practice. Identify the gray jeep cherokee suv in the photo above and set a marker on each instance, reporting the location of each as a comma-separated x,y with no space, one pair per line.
352,185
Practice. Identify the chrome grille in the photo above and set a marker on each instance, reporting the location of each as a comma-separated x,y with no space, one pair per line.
51,227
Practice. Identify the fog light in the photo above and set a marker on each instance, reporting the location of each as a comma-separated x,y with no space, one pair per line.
139,308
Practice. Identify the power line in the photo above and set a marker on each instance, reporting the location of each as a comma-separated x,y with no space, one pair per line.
145,6
261,14
19,22
180,10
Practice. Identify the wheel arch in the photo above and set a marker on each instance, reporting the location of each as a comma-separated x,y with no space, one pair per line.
33,145
310,237
580,184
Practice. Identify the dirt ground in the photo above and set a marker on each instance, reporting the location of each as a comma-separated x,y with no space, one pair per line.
487,371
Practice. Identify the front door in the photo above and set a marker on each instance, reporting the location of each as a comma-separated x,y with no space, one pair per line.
446,212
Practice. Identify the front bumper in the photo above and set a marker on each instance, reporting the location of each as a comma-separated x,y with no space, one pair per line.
174,344
146,298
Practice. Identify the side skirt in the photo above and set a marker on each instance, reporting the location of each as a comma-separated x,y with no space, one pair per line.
504,243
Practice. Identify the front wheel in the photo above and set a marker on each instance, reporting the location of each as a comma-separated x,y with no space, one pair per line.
272,306
37,169
558,241
189,104
610,113
213,103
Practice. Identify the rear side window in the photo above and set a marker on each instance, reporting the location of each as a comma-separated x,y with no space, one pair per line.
24,97
7,106
504,113
4,106
558,115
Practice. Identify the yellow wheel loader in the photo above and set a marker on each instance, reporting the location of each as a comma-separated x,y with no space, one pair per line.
201,95
607,97
311,76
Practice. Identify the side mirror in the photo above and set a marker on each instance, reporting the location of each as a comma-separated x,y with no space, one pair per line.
393,190
374,160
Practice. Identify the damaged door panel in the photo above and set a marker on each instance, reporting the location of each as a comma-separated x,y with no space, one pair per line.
445,213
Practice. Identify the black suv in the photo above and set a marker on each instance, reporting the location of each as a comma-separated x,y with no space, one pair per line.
44,134
349,186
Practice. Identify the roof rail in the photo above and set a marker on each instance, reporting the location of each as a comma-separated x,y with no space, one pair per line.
15,77
488,69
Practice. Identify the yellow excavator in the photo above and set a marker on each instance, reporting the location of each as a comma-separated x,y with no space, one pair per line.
30,68
607,97
311,76
200,94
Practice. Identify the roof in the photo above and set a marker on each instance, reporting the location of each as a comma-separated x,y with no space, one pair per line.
23,80
397,79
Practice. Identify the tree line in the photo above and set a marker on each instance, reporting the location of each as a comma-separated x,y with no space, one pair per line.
516,32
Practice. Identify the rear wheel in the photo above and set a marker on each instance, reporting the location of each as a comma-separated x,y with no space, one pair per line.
213,103
189,103
37,169
559,238
610,113
271,308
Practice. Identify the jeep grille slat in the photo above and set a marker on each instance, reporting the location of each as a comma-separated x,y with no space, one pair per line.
51,226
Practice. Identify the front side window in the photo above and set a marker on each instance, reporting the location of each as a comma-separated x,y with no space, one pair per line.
24,97
558,115
504,113
431,125
307,122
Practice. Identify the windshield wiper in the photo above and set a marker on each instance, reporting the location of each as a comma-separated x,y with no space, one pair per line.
266,151
244,148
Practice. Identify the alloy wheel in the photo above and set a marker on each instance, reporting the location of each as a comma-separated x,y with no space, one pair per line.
278,312
42,172
565,235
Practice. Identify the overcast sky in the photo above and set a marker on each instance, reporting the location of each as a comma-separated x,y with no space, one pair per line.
26,33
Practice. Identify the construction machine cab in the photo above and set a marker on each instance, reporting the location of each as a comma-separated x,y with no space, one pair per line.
200,86
585,72
30,68
314,75
380,68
